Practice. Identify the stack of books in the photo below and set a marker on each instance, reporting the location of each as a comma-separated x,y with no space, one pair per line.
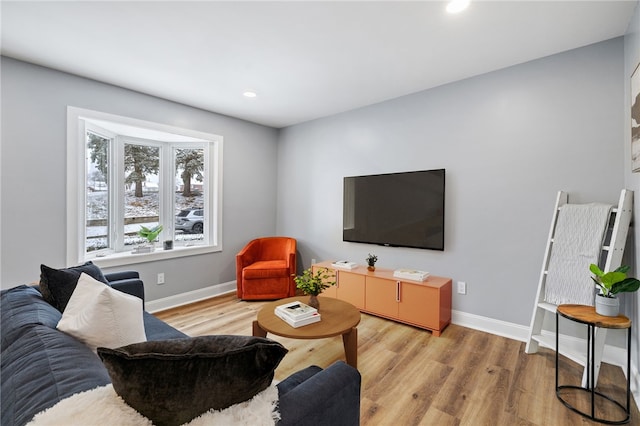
344,264
297,314
411,274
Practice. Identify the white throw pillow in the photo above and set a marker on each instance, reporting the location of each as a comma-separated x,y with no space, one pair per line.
99,315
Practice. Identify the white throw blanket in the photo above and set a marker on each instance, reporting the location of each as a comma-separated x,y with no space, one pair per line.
577,243
103,406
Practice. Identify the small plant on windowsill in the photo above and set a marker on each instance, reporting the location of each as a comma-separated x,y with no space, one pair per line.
610,284
150,234
371,262
313,284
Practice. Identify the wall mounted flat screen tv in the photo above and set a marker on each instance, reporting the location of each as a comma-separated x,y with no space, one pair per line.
395,209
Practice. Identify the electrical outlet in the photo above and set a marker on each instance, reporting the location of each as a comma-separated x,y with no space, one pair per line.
161,278
313,261
462,287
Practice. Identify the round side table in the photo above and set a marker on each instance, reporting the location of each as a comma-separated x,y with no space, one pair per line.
587,315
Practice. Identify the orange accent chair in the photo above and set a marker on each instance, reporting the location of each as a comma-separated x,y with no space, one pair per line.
265,269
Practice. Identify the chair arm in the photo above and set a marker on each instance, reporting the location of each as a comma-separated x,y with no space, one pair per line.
248,255
245,257
293,267
291,254
121,275
291,262
330,397
127,282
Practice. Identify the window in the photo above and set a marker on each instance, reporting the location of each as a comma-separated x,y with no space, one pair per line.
127,174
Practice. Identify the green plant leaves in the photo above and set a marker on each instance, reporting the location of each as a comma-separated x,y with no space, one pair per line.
150,233
313,284
595,270
371,259
628,285
614,282
611,278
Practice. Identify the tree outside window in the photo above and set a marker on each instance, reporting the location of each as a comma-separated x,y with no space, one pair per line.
141,190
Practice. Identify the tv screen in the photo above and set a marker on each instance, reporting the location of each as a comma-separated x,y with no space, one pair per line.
395,209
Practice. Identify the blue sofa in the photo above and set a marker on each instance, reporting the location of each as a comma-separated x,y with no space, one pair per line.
40,365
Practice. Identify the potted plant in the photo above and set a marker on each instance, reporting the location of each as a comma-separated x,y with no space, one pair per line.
150,234
313,284
610,284
371,262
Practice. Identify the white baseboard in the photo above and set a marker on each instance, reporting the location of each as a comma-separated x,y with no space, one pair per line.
190,297
635,383
490,325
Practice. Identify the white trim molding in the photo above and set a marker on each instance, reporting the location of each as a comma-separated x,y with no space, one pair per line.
167,140
635,383
490,325
190,297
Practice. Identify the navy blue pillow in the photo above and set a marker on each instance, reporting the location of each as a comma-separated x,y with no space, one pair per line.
57,285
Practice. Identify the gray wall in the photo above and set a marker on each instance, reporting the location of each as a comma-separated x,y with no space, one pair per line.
33,156
632,180
509,141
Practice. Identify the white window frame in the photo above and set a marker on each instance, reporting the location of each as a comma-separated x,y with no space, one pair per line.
76,192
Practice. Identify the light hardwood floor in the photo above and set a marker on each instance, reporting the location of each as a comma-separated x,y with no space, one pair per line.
409,377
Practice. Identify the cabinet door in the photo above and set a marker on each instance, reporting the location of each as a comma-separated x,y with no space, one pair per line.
350,288
327,292
419,305
381,297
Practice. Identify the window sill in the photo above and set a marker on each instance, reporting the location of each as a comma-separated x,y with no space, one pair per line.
128,258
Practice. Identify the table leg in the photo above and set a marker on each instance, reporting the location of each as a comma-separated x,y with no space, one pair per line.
258,331
591,348
628,374
350,341
557,349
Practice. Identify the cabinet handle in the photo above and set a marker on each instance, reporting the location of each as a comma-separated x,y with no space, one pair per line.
337,279
397,291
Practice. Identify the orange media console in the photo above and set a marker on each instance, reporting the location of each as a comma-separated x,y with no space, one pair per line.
424,304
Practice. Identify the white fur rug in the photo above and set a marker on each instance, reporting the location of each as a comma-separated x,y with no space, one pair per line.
102,405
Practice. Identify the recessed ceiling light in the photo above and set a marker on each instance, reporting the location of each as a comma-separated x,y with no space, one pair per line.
456,6
250,94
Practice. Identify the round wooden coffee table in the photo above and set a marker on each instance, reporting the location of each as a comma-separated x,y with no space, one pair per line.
338,318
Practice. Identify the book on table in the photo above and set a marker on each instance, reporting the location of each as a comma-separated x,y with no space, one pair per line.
344,264
296,310
295,323
411,274
297,314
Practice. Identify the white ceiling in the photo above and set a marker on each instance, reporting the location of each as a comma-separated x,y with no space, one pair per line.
304,59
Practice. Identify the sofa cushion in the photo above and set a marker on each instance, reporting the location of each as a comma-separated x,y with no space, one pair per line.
43,367
57,285
266,269
99,315
21,308
174,381
156,329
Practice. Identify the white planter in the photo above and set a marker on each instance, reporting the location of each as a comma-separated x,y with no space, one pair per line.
607,306
143,248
